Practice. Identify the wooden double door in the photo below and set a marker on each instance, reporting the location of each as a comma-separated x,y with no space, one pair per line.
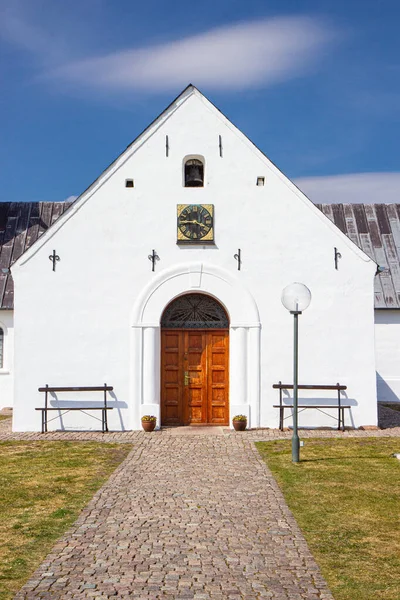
194,376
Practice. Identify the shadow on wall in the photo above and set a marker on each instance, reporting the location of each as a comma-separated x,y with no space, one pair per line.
385,393
85,406
323,404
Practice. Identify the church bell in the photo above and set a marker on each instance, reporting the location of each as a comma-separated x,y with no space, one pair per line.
193,173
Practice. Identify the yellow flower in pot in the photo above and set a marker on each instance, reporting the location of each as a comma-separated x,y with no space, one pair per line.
149,422
239,422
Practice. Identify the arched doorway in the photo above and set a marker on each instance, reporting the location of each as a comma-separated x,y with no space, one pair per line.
195,362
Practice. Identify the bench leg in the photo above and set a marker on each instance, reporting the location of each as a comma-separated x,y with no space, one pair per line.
340,418
105,423
281,411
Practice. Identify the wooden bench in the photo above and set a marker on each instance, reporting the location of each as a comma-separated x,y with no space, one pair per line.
60,407
339,406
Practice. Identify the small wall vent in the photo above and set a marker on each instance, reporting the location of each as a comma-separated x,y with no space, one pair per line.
129,183
260,181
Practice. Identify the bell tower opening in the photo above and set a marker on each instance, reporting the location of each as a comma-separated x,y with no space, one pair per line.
194,173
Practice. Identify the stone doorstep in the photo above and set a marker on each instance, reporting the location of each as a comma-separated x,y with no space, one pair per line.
196,430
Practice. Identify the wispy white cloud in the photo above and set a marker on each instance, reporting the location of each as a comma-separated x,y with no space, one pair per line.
18,31
70,199
249,54
19,25
235,56
367,188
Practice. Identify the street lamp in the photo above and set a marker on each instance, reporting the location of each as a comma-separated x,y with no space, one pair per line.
296,297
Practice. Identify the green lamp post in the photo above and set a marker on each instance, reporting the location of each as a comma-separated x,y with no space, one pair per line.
296,297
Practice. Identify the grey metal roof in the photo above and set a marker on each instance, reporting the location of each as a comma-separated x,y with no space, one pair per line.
375,228
21,224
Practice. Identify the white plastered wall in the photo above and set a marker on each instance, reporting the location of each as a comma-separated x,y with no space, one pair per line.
387,348
7,370
83,333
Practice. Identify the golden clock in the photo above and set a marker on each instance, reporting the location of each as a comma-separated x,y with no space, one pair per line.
195,223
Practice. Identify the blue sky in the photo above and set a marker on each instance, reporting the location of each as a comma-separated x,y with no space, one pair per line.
317,88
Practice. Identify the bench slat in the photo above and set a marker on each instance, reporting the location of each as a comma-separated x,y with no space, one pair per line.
289,386
108,388
312,406
75,408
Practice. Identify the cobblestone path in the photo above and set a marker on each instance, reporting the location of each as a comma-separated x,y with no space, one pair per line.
183,517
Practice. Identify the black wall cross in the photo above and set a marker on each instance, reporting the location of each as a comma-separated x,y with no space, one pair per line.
54,258
337,256
238,257
153,257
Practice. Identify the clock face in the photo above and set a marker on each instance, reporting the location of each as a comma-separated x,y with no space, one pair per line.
195,223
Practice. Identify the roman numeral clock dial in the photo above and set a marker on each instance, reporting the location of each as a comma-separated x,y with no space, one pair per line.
195,223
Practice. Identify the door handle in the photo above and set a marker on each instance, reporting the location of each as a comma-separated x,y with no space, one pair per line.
187,378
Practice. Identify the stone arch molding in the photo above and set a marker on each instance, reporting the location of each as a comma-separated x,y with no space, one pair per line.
200,277
244,337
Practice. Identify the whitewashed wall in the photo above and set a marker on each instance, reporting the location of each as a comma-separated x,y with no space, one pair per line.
387,348
7,371
87,329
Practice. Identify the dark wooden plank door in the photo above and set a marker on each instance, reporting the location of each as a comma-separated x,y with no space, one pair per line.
194,377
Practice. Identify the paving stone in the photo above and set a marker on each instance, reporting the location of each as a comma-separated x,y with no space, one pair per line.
175,521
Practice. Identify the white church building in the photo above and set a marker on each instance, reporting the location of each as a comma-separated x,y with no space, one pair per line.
164,280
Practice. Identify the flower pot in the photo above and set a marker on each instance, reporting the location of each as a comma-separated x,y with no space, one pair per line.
239,425
148,425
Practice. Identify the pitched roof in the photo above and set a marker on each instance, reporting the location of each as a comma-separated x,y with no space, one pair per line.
21,224
375,228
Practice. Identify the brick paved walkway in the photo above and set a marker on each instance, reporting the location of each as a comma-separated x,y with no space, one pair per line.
185,516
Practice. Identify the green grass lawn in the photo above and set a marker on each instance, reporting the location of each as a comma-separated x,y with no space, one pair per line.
345,496
44,486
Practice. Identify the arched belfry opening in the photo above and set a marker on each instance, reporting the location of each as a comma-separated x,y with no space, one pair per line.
194,173
195,362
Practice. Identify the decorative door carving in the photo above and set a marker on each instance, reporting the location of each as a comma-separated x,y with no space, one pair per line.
195,311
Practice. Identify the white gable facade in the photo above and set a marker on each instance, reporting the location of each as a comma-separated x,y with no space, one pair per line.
98,317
